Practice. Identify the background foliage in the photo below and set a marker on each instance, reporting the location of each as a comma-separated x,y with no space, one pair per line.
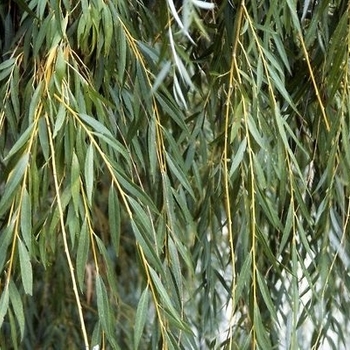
174,174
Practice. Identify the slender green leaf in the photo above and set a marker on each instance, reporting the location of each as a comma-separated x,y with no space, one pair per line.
266,296
5,240
180,175
75,181
7,63
238,157
13,181
4,303
82,254
141,316
114,218
107,28
17,305
103,304
26,268
20,142
164,296
95,124
89,173
44,139
60,119
243,278
26,220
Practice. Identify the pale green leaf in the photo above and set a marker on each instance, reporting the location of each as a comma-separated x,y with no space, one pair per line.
140,318
26,268
95,124
60,119
89,173
4,303
20,142
75,181
26,220
13,181
17,305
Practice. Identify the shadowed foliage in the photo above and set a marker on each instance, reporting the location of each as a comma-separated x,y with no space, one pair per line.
174,174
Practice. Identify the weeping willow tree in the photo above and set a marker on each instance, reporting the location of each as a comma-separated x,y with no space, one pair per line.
174,174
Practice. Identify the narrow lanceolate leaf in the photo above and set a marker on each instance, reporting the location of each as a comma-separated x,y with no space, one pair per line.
95,124
82,254
5,240
4,303
15,92
237,158
107,28
12,183
20,142
26,268
26,220
244,278
43,137
60,118
266,296
149,247
24,6
75,181
60,67
17,305
141,215
168,200
104,312
179,174
165,298
89,173
140,318
7,63
122,47
6,68
114,218
103,305
261,331
175,266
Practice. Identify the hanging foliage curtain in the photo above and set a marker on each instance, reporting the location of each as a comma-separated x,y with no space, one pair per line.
174,174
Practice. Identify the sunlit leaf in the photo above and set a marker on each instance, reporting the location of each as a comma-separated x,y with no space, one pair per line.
75,181
89,173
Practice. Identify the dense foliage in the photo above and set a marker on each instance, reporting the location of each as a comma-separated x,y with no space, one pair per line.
174,174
